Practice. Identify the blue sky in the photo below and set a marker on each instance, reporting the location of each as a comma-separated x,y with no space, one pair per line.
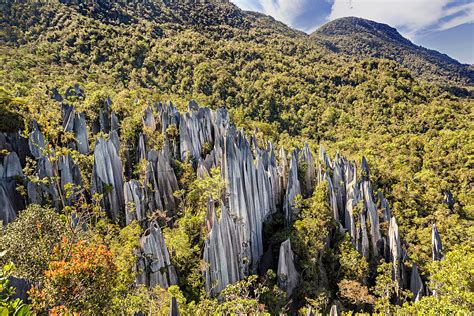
444,25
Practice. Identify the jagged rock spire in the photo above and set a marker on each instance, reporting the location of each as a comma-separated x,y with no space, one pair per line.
436,246
134,202
292,190
288,277
174,310
395,252
107,177
334,311
222,254
257,186
155,266
10,201
416,284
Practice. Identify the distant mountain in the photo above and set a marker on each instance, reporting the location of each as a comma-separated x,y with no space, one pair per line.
362,38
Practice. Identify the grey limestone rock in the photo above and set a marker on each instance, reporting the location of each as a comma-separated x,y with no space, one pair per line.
155,266
10,201
134,202
292,190
288,277
416,284
334,311
174,310
160,181
395,253
107,177
310,170
222,254
436,246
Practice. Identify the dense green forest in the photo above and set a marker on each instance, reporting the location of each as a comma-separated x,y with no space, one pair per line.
414,128
362,38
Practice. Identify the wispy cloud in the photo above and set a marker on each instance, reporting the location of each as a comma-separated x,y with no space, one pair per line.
410,16
301,14
457,15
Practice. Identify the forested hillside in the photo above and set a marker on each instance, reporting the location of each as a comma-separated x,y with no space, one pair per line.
118,201
362,38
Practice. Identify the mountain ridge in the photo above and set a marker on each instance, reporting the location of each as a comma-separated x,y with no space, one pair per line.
361,38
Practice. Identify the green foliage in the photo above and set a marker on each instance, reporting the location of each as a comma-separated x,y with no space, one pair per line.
194,202
311,232
385,288
353,264
430,305
452,279
124,248
242,297
360,38
313,224
9,305
10,107
186,239
30,239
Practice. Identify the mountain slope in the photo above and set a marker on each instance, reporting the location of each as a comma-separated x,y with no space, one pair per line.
363,38
85,80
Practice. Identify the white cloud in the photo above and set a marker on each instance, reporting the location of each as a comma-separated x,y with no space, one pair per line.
458,15
411,16
250,5
285,11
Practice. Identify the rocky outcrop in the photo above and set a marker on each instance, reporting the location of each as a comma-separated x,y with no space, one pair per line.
134,202
107,178
76,123
436,246
334,311
288,277
416,284
10,175
160,181
257,185
174,310
395,253
155,266
222,254
252,190
292,190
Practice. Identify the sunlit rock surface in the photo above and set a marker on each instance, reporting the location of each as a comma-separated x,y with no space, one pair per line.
154,266
288,277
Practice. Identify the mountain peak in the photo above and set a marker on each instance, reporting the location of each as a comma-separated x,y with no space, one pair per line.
361,38
353,25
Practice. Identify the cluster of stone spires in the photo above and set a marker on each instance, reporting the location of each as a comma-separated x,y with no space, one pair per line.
257,185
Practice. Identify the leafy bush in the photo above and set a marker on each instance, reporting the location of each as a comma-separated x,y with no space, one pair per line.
30,239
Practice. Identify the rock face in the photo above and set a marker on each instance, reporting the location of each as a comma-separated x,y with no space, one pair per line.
292,189
334,311
222,253
257,185
174,311
395,252
416,284
155,266
107,177
134,202
436,246
161,181
10,201
288,277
